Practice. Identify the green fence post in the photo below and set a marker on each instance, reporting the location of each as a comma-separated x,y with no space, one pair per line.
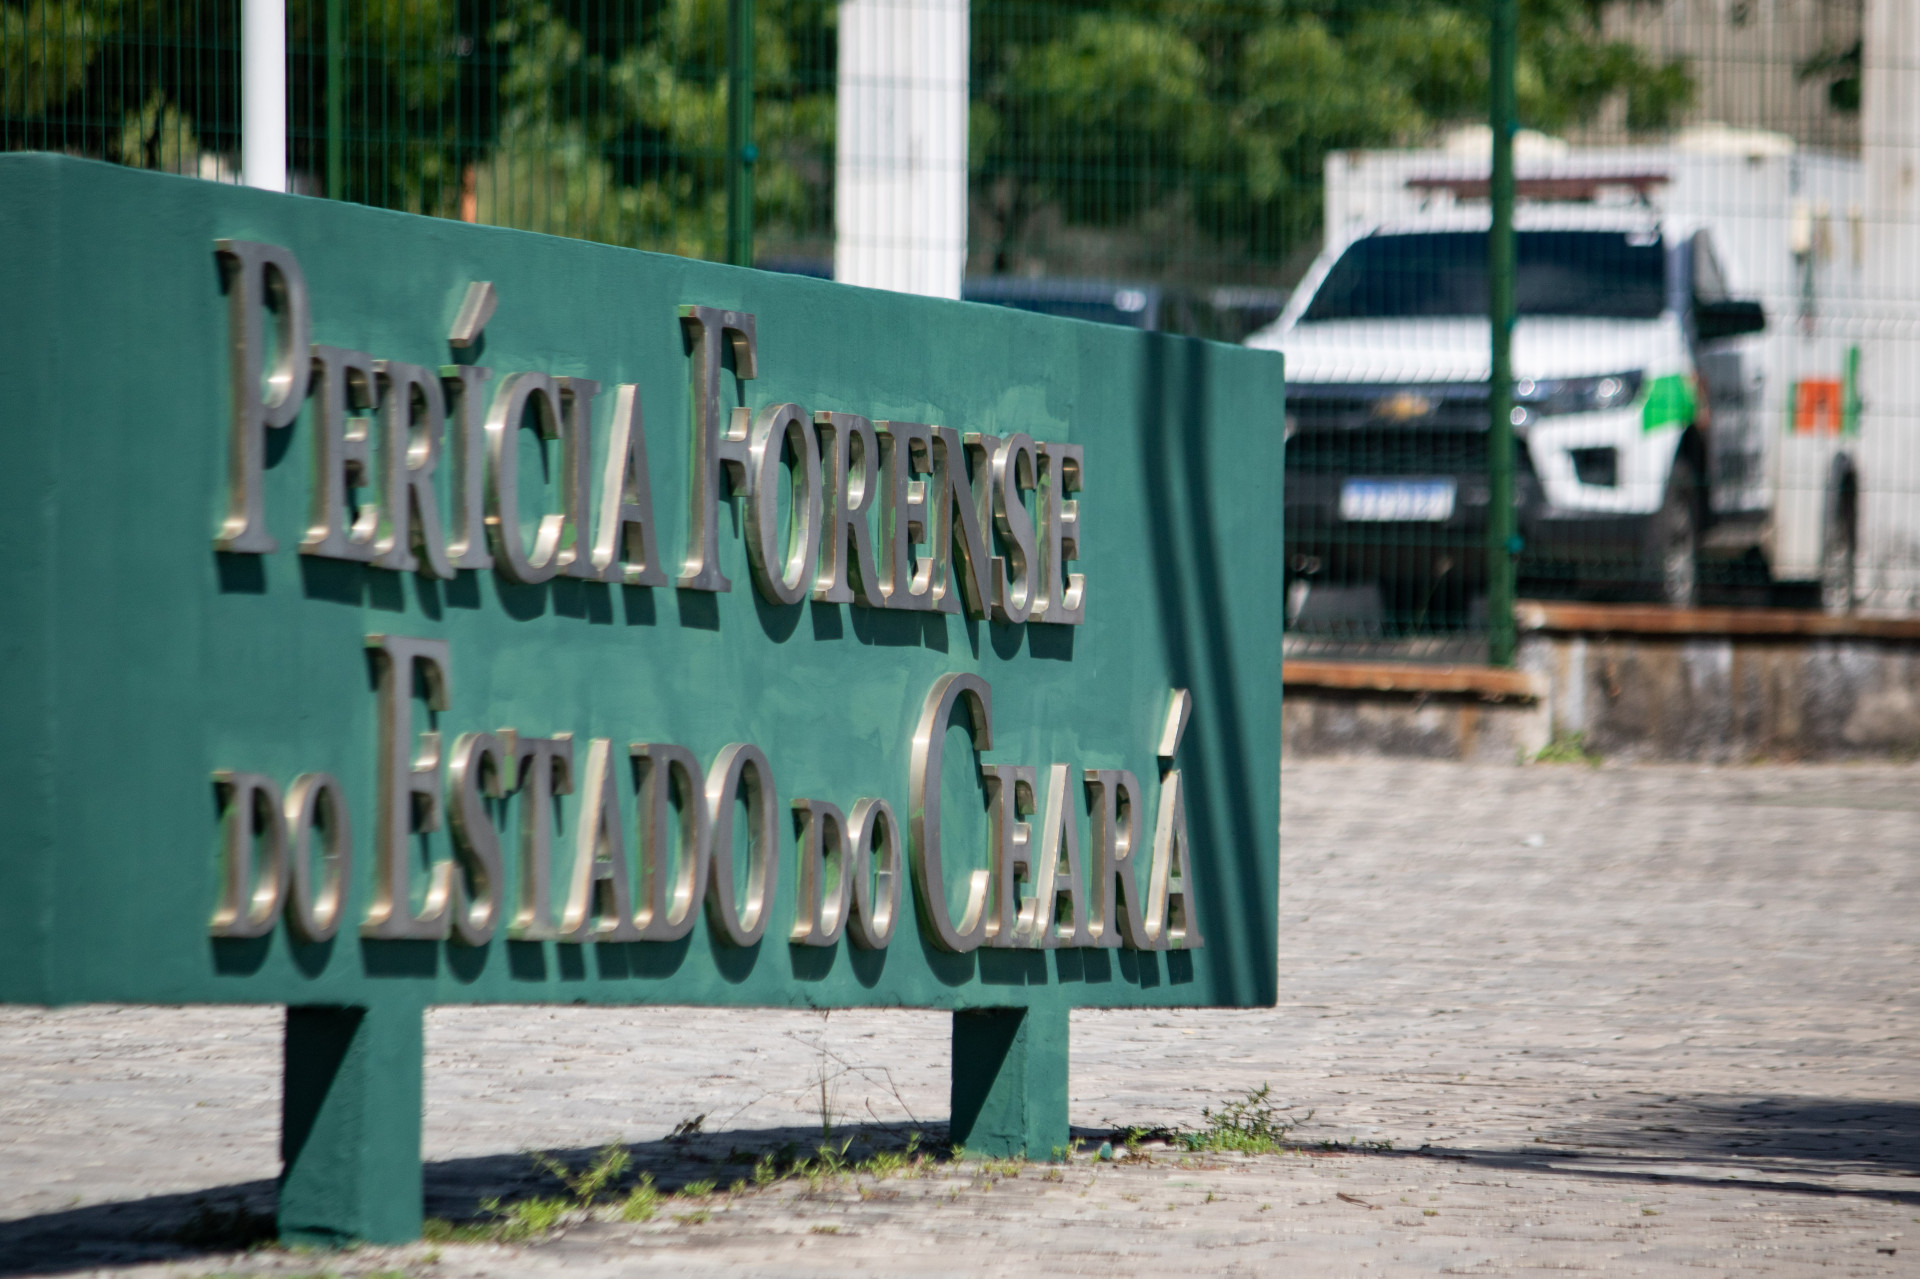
350,1125
1503,544
1010,1081
336,99
741,152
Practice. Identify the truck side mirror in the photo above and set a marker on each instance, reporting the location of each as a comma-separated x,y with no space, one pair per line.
1728,318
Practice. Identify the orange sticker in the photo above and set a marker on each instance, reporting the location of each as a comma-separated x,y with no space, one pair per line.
1818,406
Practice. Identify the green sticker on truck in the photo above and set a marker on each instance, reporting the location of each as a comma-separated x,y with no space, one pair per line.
1669,402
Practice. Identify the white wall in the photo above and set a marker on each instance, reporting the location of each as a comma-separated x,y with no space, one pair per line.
1890,353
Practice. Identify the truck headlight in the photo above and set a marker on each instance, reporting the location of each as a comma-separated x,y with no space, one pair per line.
1550,397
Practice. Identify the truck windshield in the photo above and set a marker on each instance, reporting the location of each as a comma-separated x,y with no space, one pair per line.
1429,274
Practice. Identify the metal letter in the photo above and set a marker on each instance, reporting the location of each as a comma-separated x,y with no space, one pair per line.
847,570
906,450
250,896
600,900
1171,919
958,532
1009,797
475,310
478,771
1113,794
576,483
626,501
504,420
410,450
876,905
740,769
716,447
1016,576
825,890
317,800
258,276
923,814
462,383
1052,881
544,769
783,575
342,456
409,795
1179,710
1063,595
666,771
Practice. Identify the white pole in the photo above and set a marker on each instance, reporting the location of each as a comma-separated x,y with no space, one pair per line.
263,94
900,181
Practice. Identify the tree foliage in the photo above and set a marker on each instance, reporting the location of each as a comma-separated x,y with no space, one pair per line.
1228,108
1209,118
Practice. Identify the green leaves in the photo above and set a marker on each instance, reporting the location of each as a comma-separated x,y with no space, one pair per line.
1219,115
1194,130
46,48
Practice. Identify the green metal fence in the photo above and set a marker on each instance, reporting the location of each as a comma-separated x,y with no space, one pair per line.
1193,166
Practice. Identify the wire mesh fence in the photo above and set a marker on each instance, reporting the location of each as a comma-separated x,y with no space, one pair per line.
1717,248
596,119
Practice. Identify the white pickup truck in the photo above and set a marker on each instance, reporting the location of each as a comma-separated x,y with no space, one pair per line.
1649,441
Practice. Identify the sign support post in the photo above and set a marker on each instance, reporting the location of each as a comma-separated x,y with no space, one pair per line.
350,1124
1010,1081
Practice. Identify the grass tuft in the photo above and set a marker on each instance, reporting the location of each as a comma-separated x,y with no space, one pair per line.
642,1201
1254,1125
1567,748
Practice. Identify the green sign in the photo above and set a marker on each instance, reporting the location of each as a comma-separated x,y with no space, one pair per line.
400,612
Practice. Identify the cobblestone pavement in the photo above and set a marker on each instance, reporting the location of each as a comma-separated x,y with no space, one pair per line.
1632,1021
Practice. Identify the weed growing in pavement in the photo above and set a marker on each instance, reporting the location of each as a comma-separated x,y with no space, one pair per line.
642,1201
1567,748
594,1191
503,1223
526,1218
1254,1125
587,1185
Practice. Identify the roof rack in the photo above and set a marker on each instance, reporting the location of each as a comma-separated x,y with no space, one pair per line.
1571,187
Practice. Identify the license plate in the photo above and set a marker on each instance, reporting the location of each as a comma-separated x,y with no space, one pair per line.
1408,501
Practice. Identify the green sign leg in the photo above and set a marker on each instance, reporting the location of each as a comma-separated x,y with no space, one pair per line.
350,1126
1010,1081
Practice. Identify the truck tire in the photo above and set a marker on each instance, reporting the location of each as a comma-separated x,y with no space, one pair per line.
1673,553
1840,542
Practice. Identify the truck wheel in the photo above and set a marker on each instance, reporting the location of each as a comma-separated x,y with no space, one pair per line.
1839,548
1675,549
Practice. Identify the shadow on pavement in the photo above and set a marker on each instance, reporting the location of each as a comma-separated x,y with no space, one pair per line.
235,1217
1798,1145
